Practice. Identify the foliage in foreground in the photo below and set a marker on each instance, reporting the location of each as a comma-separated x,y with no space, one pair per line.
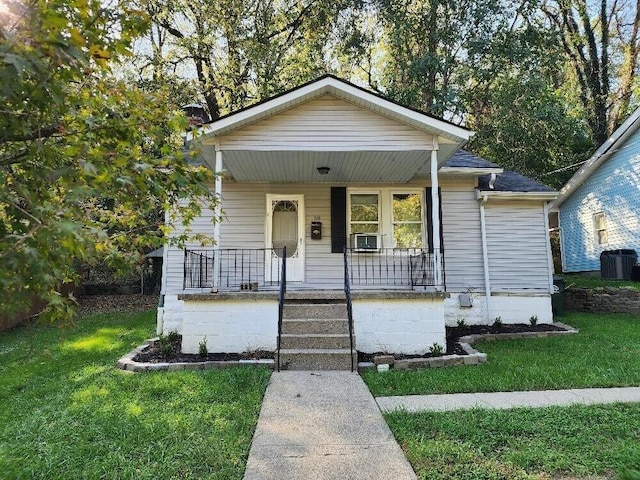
86,160
67,412
602,354
521,443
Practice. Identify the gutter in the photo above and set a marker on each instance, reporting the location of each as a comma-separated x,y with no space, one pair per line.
536,196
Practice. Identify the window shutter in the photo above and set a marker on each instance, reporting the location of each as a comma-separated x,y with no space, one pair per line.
429,204
338,219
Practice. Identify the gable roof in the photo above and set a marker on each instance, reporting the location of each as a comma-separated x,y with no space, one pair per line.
600,156
329,84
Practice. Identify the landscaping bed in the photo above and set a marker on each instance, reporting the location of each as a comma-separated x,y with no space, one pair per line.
454,334
154,354
603,354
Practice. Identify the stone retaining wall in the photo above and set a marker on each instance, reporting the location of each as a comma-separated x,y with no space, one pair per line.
603,300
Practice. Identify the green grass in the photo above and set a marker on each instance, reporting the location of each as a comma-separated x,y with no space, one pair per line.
67,412
588,281
603,354
556,442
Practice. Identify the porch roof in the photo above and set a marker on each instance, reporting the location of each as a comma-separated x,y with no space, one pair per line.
360,136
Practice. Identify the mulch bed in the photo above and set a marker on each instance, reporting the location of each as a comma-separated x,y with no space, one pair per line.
153,355
454,334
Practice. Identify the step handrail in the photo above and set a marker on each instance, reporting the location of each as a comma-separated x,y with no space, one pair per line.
347,292
281,293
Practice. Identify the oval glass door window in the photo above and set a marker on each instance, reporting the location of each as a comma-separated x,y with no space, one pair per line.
284,227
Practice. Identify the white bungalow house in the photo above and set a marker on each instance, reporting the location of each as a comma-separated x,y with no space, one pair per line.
380,219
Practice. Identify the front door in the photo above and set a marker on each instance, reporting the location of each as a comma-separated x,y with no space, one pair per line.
285,228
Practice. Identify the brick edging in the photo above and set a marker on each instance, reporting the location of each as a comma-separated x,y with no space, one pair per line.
127,363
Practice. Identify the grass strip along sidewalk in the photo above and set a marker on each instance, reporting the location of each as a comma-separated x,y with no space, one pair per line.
577,442
67,412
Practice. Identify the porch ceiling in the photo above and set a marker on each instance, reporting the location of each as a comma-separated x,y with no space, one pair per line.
345,167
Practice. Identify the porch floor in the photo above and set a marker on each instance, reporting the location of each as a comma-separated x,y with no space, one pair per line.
313,294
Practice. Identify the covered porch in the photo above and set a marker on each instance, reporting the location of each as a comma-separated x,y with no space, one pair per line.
331,180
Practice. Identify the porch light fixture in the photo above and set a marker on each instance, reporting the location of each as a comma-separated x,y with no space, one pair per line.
324,170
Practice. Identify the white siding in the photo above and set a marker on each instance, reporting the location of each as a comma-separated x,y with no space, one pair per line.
244,225
173,265
517,246
327,124
462,238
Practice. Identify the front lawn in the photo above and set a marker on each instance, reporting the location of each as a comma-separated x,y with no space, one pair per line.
67,412
556,442
603,354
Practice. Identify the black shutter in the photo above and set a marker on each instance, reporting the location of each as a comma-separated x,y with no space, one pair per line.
429,203
338,219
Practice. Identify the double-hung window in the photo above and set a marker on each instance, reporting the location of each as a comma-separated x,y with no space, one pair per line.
407,220
397,216
365,213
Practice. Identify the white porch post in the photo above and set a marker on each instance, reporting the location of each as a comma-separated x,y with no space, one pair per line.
435,219
217,214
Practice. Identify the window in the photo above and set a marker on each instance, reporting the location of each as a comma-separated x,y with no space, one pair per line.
365,213
600,226
397,216
407,220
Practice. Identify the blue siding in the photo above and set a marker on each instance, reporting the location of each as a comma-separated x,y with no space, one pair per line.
614,188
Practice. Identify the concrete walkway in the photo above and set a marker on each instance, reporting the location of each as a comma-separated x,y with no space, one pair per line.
323,425
456,401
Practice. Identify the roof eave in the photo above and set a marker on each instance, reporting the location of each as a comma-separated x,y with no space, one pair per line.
469,171
537,196
598,158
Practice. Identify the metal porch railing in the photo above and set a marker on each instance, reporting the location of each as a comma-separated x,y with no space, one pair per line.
392,267
232,268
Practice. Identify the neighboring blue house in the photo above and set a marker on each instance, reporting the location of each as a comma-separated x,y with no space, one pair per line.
599,207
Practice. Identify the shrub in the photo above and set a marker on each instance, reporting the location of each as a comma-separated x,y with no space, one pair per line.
173,336
436,349
461,323
202,348
497,322
533,320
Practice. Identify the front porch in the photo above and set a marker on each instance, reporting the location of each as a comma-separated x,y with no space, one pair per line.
314,329
244,269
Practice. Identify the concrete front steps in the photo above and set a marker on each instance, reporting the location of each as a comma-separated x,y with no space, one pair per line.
315,336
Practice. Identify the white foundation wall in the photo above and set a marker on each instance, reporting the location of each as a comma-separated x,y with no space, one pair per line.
230,326
398,326
170,315
519,309
511,308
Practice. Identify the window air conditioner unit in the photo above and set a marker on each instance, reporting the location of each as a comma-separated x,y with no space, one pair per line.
366,242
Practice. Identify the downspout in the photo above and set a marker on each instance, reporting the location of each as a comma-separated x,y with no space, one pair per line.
163,285
548,238
485,256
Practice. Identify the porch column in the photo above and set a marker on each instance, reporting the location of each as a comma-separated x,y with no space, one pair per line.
217,214
435,220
